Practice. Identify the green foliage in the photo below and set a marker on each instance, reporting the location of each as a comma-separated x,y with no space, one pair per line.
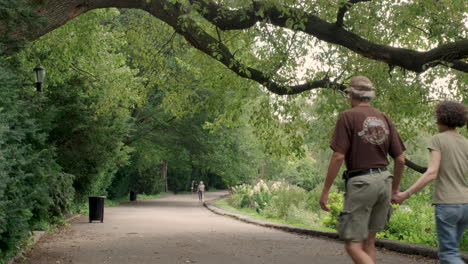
285,201
91,90
33,188
240,196
189,119
126,198
13,15
335,203
275,200
257,197
414,224
306,172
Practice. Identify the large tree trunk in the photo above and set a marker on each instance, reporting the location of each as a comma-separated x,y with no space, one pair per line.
261,173
163,174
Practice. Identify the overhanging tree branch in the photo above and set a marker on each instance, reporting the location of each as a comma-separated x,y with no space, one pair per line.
342,11
416,61
451,55
415,166
203,41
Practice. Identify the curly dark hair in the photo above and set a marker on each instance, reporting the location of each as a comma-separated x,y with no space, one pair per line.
451,114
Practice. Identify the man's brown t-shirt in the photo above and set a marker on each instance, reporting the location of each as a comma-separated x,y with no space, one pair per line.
365,135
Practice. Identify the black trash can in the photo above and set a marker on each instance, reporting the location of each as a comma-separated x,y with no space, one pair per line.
96,208
133,196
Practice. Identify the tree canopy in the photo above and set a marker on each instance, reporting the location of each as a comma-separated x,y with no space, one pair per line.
413,36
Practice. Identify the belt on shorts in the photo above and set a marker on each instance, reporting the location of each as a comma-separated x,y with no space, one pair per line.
350,174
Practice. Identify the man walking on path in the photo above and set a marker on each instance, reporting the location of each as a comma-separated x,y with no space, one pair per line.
363,138
201,191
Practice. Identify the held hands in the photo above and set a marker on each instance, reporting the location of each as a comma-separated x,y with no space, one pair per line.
399,197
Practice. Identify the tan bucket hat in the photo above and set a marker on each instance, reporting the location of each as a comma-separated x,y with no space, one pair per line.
361,86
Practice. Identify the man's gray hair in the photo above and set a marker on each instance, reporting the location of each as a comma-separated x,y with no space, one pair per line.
361,98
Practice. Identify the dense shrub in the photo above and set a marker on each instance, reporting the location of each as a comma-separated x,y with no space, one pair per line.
412,222
285,199
258,196
335,203
240,196
33,188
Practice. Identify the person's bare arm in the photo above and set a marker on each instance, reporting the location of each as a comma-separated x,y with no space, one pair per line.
333,168
398,169
430,175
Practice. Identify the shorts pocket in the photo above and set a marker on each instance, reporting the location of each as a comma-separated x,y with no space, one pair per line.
344,226
389,215
359,183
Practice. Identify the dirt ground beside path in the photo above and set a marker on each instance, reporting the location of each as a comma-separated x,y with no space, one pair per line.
177,229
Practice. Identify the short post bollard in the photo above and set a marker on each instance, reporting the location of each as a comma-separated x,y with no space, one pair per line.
96,208
133,196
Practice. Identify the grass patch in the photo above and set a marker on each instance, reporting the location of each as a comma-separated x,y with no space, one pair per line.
123,199
224,204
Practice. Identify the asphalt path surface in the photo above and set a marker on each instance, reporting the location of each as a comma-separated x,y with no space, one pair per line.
177,229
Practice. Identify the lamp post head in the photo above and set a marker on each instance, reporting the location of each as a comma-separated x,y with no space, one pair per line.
39,77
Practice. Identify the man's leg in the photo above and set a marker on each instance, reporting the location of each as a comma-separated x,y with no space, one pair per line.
356,252
369,246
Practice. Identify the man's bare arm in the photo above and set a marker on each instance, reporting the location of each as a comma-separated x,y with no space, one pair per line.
398,169
333,168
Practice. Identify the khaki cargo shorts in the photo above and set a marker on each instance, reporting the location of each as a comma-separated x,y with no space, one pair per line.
367,206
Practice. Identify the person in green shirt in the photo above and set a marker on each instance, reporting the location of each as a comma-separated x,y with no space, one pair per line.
448,168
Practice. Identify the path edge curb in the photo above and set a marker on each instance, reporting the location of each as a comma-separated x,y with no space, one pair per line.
397,246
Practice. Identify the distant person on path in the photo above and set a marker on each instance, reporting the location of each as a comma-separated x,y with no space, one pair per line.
201,191
448,167
192,187
363,138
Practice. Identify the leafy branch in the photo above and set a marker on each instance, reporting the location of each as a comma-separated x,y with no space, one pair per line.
343,9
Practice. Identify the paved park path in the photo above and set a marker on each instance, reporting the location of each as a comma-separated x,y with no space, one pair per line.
177,229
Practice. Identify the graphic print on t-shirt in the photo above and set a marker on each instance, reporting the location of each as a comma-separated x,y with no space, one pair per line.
374,131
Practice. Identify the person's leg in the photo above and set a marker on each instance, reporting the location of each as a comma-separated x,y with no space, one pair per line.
356,252
353,222
369,246
463,224
447,218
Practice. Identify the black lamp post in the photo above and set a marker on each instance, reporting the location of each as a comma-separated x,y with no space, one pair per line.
39,77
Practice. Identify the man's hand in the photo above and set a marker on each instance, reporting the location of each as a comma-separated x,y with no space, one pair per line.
323,201
400,197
